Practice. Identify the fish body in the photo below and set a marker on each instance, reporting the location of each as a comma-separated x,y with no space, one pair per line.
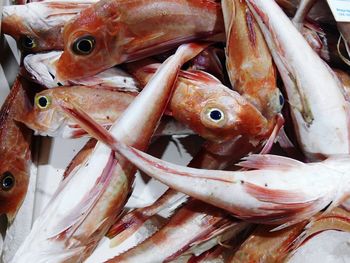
111,32
280,191
15,154
313,90
249,61
69,229
38,26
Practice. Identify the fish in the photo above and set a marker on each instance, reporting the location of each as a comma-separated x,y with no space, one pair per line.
171,201
266,246
197,101
252,73
15,151
111,32
193,224
309,107
69,229
38,26
103,103
280,191
209,108
41,68
249,62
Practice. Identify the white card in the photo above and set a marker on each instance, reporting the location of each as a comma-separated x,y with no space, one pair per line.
340,10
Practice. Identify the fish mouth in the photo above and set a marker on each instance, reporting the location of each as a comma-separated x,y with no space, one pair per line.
42,68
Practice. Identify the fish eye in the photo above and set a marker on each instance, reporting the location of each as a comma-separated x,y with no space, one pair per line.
27,42
42,102
84,45
215,114
281,99
7,181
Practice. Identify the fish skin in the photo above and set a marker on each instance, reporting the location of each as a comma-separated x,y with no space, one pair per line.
43,22
131,30
15,153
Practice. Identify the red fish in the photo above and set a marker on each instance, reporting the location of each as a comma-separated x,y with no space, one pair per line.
111,32
15,157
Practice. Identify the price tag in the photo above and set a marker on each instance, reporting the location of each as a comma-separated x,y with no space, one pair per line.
340,10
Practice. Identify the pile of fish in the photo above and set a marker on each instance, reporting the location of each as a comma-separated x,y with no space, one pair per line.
264,83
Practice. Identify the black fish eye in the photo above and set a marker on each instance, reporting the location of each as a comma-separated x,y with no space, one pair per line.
216,115
42,102
7,181
281,98
84,45
27,42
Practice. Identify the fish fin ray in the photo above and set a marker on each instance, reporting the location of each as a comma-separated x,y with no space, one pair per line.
269,161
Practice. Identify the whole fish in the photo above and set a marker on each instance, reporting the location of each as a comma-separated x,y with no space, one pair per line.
69,229
15,154
199,101
251,72
249,61
280,191
111,32
38,26
41,68
313,90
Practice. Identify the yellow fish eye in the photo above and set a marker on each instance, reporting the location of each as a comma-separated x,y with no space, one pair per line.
7,181
84,45
43,102
27,42
215,114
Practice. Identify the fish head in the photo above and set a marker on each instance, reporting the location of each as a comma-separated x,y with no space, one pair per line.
14,179
227,115
88,43
38,26
214,111
28,25
45,118
275,102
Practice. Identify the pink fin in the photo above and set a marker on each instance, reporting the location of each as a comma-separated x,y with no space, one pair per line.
273,195
273,136
80,212
269,161
201,76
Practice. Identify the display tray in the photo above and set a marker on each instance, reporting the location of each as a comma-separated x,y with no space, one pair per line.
52,155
